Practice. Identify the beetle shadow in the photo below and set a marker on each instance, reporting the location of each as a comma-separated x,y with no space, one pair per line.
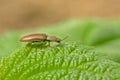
44,45
37,44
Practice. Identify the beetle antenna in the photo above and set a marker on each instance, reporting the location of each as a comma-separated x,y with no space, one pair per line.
64,38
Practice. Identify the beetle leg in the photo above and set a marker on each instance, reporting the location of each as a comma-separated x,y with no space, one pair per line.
29,44
49,43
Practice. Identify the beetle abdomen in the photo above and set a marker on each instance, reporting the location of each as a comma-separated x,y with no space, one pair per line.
34,37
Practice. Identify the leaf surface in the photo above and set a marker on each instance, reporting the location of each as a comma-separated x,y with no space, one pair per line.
66,62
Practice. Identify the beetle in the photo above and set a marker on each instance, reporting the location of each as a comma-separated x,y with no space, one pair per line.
40,37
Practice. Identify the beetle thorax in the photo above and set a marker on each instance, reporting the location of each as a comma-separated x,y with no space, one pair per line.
53,38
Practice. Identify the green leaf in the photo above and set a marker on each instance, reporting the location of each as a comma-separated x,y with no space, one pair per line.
65,62
104,35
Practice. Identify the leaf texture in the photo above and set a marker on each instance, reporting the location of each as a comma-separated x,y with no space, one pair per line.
66,62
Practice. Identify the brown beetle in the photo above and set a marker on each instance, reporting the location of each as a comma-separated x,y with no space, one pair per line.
40,37
33,38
